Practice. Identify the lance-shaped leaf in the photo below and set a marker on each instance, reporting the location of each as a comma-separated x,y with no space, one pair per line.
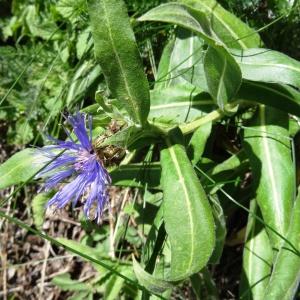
267,144
117,53
285,275
278,96
223,75
230,29
187,213
21,167
257,259
268,66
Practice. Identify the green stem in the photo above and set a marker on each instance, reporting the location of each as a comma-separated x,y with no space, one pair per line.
191,127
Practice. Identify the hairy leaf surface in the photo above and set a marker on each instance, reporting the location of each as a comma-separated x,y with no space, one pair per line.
117,53
268,146
193,241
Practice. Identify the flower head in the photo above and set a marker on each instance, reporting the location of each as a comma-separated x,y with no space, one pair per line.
78,161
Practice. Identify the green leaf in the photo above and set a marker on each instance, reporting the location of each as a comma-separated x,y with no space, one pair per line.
268,66
282,97
118,56
71,9
268,146
154,241
229,28
278,96
182,54
137,175
92,252
21,167
65,282
205,19
164,66
285,275
99,254
193,241
226,170
132,138
198,141
84,42
150,282
113,287
183,16
39,207
223,75
180,103
24,132
83,79
82,295
257,259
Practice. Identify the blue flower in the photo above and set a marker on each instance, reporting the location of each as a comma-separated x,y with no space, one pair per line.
79,162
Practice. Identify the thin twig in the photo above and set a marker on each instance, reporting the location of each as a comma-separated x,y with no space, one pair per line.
43,272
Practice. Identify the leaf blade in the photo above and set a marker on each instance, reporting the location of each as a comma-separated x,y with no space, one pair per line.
20,167
267,65
283,284
117,53
223,75
183,193
230,29
257,259
266,142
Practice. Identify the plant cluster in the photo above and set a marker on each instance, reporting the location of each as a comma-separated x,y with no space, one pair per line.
199,138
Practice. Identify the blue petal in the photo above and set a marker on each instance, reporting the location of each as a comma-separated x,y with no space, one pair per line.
78,124
57,178
62,161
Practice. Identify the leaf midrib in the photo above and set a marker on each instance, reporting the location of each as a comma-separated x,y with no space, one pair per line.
123,73
234,35
281,66
186,198
185,103
269,165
